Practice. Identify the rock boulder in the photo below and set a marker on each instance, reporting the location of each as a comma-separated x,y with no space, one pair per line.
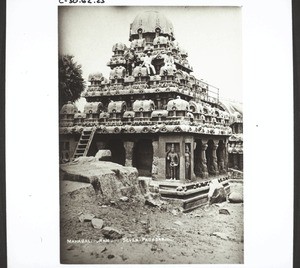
235,197
112,233
217,193
108,179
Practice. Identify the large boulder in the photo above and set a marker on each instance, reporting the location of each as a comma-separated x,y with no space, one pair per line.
110,180
97,223
216,193
235,197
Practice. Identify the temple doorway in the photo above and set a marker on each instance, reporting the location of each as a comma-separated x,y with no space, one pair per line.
143,157
117,151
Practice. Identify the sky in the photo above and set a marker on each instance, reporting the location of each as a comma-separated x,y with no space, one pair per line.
212,36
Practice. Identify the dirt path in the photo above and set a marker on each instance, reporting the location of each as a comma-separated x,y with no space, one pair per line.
151,235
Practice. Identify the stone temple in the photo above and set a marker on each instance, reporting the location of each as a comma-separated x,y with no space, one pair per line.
153,114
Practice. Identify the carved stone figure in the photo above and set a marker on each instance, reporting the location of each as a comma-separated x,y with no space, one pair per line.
187,158
173,159
214,164
204,171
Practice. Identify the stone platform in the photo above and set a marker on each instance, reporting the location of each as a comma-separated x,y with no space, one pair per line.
189,195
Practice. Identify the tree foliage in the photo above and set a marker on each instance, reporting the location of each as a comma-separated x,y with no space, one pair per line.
71,83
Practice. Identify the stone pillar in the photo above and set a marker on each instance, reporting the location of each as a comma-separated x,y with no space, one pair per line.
241,162
215,169
197,153
226,155
203,161
221,159
193,147
128,145
235,161
155,159
182,162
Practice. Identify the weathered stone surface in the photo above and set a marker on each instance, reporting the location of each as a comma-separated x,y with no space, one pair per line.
224,211
124,198
86,217
216,192
71,186
235,197
153,199
178,223
103,155
220,235
110,180
112,233
174,212
128,190
144,184
97,223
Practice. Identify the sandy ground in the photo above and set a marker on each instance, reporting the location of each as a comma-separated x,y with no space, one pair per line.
151,234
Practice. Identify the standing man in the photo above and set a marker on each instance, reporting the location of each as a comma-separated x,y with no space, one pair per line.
130,59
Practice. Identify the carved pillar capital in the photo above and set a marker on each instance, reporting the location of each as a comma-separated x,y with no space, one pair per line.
204,146
204,141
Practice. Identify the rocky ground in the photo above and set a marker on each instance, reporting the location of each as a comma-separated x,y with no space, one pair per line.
210,234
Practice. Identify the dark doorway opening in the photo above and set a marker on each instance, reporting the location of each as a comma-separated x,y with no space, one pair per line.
197,159
117,151
143,157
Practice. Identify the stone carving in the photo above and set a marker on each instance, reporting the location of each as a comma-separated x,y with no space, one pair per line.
203,160
173,161
214,164
187,158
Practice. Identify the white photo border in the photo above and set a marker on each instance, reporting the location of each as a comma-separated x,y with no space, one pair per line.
32,131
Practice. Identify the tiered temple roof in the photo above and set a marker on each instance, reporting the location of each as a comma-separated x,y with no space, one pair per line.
161,97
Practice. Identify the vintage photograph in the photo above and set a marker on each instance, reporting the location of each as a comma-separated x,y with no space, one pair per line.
150,135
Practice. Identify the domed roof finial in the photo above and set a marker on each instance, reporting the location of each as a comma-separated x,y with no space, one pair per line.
151,22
